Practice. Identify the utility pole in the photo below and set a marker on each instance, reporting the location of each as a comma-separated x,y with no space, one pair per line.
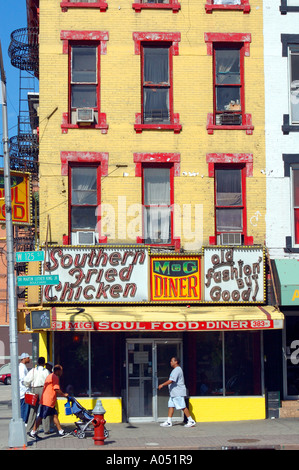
17,431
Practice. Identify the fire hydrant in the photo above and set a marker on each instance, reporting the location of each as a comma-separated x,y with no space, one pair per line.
99,424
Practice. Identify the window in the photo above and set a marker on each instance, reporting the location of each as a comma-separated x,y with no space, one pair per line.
100,4
295,201
157,50
158,172
228,80
84,103
227,5
228,363
289,6
173,5
84,171
157,201
230,197
294,84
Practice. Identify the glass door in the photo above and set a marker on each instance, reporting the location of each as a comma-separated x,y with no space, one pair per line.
148,365
291,357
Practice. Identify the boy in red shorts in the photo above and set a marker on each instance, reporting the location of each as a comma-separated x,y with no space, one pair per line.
48,401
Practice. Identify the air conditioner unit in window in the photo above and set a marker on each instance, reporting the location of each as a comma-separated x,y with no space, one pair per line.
231,238
85,115
228,119
83,238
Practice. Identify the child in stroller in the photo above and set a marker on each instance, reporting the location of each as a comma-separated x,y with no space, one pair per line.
86,417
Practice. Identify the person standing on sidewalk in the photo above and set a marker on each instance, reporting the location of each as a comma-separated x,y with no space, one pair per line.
35,379
177,392
48,401
23,371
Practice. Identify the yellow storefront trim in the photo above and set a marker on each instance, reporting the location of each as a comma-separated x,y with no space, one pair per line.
213,409
113,407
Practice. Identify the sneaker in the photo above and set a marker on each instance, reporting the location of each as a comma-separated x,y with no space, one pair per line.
63,433
166,424
190,424
34,436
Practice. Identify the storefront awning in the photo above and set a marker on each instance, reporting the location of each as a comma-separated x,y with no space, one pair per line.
288,281
162,318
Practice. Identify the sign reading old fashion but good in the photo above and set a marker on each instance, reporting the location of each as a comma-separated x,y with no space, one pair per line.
234,275
97,274
175,279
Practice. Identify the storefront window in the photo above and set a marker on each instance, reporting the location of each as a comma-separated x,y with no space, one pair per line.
228,363
88,361
292,355
71,351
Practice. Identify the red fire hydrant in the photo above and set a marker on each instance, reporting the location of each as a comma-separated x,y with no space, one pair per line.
99,424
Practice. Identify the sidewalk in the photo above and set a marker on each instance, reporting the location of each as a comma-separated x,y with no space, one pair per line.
276,434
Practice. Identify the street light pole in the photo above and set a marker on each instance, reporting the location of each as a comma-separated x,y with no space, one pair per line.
17,430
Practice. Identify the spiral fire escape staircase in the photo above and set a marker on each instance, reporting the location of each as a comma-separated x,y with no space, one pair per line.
24,147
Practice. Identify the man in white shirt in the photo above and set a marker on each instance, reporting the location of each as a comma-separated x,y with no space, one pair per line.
177,392
23,371
35,379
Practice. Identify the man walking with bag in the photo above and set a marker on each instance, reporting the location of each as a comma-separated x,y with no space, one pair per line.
35,379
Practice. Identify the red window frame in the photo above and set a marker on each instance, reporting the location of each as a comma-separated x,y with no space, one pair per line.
295,203
66,4
85,38
159,160
158,39
173,5
234,161
210,6
70,160
241,41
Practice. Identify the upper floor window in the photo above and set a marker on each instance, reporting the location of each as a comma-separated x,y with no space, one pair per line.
294,84
84,98
295,203
230,172
228,53
173,5
100,4
227,5
156,82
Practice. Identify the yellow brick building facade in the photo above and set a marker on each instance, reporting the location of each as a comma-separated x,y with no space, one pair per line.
195,145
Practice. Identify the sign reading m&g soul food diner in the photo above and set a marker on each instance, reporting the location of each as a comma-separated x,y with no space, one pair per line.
97,274
234,275
175,279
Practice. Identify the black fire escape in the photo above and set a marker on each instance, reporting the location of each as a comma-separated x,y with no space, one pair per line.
24,147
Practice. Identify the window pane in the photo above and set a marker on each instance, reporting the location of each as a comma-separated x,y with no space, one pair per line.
101,364
84,64
228,99
83,218
242,363
297,226
228,187
229,220
71,351
294,91
156,67
84,185
157,225
156,105
84,96
156,185
227,66
209,364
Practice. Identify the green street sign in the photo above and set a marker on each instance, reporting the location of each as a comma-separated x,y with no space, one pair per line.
27,256
46,280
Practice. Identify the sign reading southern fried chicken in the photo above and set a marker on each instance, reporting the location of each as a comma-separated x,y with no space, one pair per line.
234,275
97,274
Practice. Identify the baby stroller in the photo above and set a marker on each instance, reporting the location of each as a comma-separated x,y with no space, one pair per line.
73,407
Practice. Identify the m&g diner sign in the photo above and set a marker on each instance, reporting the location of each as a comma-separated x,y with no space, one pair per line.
234,275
